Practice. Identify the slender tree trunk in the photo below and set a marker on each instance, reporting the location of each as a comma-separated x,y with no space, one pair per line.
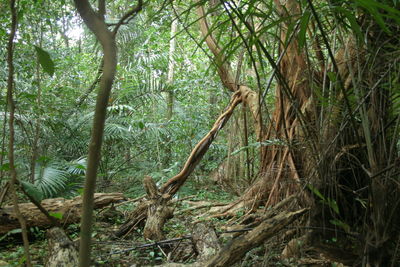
36,137
95,22
11,104
170,85
106,38
64,29
171,67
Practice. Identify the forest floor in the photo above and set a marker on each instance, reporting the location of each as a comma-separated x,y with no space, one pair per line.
133,250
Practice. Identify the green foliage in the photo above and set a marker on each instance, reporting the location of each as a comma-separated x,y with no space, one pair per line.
325,200
45,60
341,224
331,203
5,167
303,28
50,178
137,135
33,191
56,215
14,258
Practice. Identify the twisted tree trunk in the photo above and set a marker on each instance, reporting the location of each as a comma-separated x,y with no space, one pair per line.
156,205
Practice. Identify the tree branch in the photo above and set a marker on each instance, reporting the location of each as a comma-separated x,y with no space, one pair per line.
130,13
224,70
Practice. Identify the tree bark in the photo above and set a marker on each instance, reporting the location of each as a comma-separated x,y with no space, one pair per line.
280,163
206,242
206,245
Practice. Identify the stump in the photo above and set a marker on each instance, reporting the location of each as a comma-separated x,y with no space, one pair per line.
157,212
62,251
206,242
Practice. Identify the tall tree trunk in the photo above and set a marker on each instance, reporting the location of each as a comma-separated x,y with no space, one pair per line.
170,85
281,163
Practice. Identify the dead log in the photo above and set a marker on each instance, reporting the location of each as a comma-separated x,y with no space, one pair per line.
69,209
239,246
62,251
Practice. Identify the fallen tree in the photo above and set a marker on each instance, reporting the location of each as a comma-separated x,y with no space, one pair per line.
68,210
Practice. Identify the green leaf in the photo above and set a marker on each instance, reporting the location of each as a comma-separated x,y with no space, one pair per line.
57,215
43,159
351,17
32,191
5,167
27,96
316,192
80,166
332,76
290,29
341,224
333,205
45,60
50,178
390,12
141,125
303,28
362,202
80,191
372,7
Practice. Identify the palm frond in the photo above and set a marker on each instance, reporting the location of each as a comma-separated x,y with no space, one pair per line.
114,131
50,178
78,166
